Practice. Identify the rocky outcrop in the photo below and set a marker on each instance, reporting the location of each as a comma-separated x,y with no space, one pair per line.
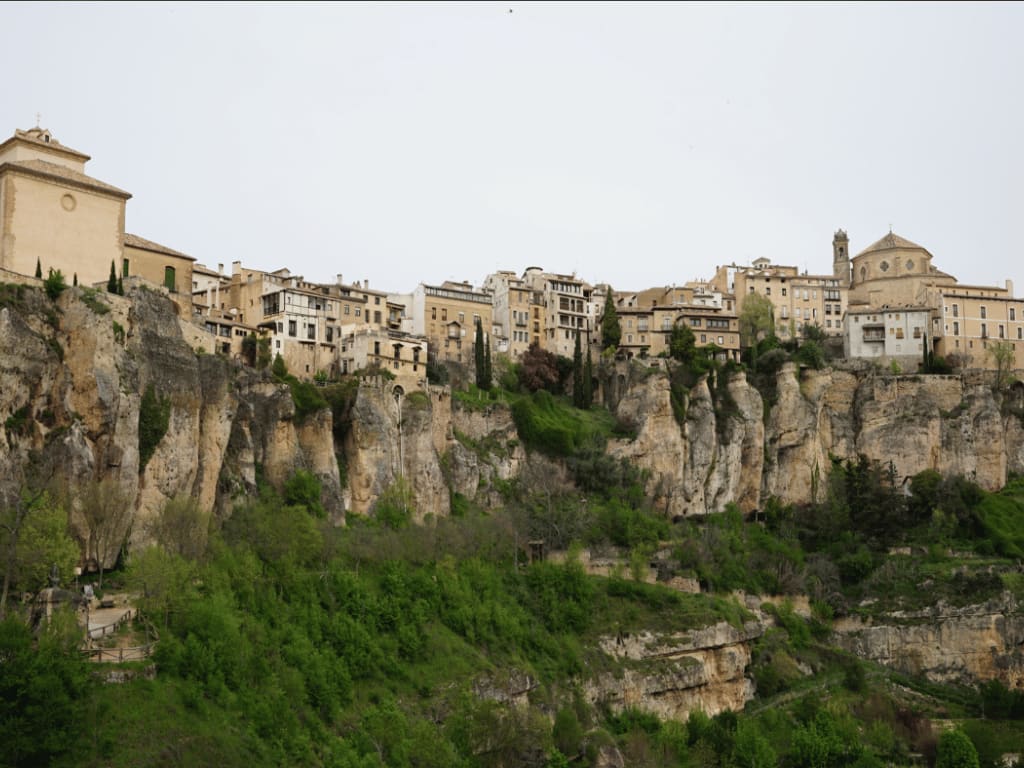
72,376
947,644
673,674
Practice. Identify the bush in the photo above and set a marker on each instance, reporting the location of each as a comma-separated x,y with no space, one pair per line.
54,284
154,418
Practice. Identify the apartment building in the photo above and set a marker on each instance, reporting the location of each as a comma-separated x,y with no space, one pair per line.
969,319
447,315
887,334
566,300
799,299
517,314
648,317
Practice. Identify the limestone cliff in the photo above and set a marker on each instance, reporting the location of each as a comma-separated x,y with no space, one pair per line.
948,644
72,376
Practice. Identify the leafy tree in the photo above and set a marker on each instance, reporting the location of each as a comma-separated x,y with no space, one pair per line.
263,353
303,489
811,354
107,510
54,284
395,506
249,345
757,319
956,750
112,280
165,581
682,344
181,527
611,330
1002,357
538,369
751,749
34,538
43,684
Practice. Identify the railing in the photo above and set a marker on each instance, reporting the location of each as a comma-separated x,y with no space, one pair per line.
106,629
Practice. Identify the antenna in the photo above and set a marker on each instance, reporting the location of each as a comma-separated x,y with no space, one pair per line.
39,119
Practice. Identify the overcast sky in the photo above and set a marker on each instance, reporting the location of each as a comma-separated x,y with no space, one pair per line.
633,144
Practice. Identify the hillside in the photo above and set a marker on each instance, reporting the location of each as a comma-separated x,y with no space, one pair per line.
820,570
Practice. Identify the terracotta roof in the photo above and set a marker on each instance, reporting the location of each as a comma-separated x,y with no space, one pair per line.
62,173
142,243
890,241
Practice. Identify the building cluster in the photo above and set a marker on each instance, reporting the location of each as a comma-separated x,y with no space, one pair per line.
885,303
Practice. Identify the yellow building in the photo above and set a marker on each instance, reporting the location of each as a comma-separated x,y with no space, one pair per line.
647,318
566,300
799,299
53,214
447,315
517,314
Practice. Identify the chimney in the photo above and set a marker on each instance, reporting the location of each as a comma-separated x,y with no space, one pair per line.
1009,287
236,267
340,281
220,269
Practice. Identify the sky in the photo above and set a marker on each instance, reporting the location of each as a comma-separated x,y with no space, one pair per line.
635,144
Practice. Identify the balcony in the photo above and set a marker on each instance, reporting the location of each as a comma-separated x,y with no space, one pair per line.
874,335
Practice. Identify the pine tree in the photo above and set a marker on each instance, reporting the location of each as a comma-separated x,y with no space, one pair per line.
112,280
39,268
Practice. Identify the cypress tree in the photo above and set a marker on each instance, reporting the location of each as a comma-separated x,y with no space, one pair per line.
112,280
611,331
39,268
74,280
487,365
577,374
120,287
479,359
588,381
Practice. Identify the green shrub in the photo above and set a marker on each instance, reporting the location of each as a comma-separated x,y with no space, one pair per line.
154,419
54,284
90,297
304,489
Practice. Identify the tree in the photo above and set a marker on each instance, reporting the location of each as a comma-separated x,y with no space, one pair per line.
279,369
682,344
483,380
1001,354
263,353
488,372
54,284
249,346
120,287
588,380
577,375
756,320
34,538
39,268
538,369
956,750
611,331
181,528
112,280
107,510
74,280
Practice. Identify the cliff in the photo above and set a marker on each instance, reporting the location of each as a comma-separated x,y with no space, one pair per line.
72,378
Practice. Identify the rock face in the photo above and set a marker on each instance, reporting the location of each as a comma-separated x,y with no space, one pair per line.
726,451
947,644
72,377
673,674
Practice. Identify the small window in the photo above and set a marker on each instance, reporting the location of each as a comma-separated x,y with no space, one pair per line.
124,268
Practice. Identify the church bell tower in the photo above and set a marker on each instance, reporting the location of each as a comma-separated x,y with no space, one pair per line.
841,257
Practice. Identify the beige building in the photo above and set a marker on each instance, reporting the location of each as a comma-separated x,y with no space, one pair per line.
799,299
517,314
647,318
447,315
366,347
895,274
53,214
566,300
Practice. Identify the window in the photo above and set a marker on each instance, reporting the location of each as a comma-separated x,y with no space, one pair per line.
703,338
433,313
956,327
169,283
783,291
1020,333
768,291
984,331
899,333
124,268
956,310
347,308
376,317
1001,334
462,318
292,328
1013,313
444,313
721,340
983,313
376,347
359,311
376,300
329,333
311,331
